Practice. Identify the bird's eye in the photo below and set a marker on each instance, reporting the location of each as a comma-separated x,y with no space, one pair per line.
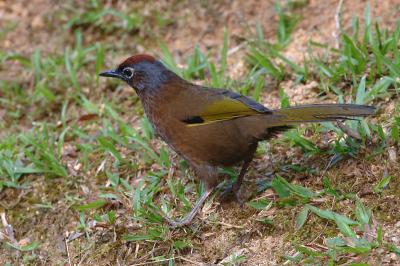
128,72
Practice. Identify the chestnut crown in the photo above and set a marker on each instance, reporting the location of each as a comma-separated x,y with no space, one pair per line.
142,72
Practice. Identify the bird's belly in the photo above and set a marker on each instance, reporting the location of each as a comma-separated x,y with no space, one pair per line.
219,144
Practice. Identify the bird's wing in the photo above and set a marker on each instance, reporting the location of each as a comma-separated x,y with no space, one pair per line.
221,105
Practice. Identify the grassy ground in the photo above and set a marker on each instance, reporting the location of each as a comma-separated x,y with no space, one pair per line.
83,180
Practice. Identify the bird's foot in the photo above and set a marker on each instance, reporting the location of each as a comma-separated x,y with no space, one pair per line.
232,192
178,223
239,198
189,218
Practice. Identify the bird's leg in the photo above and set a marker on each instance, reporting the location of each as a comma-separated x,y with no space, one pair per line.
209,177
188,219
235,188
238,183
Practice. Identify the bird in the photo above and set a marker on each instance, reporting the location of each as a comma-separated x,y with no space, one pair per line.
213,127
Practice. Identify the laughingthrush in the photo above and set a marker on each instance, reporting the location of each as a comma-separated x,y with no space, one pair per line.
211,127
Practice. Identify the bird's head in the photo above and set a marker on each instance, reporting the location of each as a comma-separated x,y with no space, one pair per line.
142,72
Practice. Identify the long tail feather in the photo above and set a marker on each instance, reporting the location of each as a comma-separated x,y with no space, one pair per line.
318,113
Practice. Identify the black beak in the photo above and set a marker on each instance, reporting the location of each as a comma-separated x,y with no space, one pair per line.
111,74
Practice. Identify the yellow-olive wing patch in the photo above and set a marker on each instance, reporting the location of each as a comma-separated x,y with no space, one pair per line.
226,108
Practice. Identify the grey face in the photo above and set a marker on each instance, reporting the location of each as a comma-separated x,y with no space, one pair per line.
140,76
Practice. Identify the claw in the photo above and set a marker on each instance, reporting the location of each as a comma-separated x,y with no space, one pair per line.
232,191
189,218
239,198
178,223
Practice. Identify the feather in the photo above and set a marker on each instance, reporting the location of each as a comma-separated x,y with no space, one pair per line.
226,106
319,113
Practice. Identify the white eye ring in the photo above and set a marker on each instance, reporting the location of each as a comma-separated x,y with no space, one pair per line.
128,72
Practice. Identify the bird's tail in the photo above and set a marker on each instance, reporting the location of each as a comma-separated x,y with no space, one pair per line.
317,113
